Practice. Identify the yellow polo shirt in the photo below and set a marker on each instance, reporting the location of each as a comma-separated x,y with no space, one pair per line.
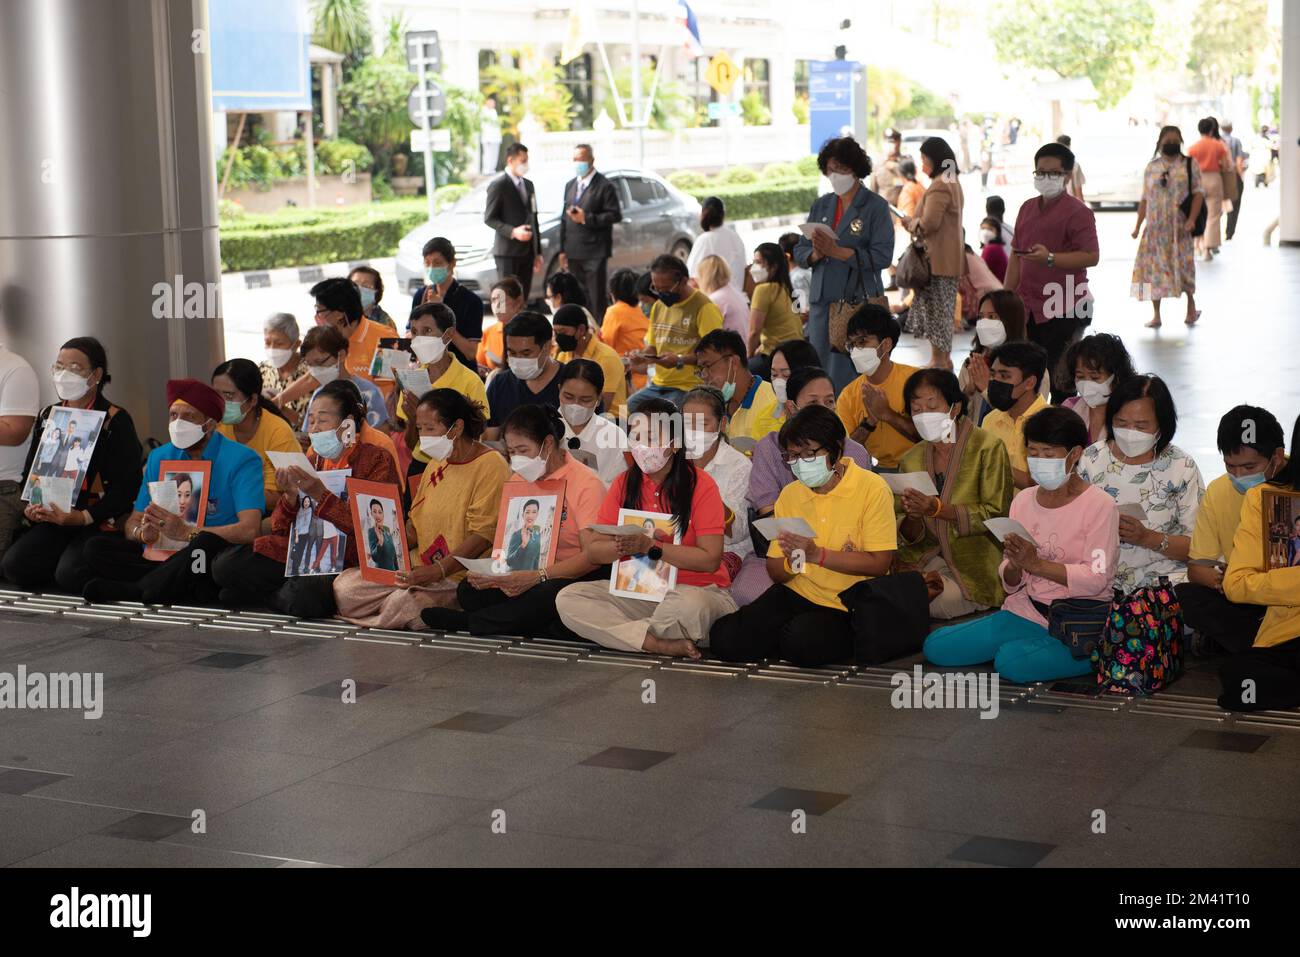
757,415
1012,431
857,515
677,330
885,443
273,434
1217,519
610,363
460,378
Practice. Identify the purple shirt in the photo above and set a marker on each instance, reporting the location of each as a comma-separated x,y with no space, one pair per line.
1064,225
769,474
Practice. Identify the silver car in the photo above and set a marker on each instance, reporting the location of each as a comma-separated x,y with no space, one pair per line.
657,218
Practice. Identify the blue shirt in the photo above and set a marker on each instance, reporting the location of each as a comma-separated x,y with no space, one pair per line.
235,485
376,410
507,392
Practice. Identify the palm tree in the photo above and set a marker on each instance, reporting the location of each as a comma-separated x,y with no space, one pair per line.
342,25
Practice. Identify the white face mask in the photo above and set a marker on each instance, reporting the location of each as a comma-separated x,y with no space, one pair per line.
759,273
1134,443
70,386
279,358
437,447
934,426
184,434
698,442
1049,187
526,368
651,458
1050,474
1094,393
842,182
576,415
779,387
428,348
865,359
992,333
528,469
987,235
521,170
324,374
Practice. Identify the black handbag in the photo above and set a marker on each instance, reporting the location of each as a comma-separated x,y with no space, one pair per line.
1185,207
1077,623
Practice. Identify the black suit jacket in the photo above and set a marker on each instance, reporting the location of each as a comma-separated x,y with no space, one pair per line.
505,210
595,239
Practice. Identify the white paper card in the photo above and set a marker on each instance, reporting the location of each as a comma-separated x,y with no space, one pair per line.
1134,510
808,229
1002,527
415,380
284,460
772,527
482,566
899,482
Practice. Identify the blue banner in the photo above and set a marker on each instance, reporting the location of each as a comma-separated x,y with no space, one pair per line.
831,105
259,52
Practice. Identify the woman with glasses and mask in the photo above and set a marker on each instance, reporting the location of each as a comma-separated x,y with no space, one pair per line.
370,286
943,536
1165,267
801,619
597,441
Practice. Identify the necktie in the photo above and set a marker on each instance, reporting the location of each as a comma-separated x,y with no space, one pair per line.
523,192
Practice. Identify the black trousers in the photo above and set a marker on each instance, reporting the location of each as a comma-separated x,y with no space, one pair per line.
1236,207
244,578
112,557
783,624
521,267
1230,626
490,611
592,274
1055,336
125,575
48,554
1271,674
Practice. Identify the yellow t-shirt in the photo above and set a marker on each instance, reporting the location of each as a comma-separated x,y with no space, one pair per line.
1217,518
361,352
885,443
454,501
857,515
273,434
1012,431
458,377
678,330
611,365
757,414
781,322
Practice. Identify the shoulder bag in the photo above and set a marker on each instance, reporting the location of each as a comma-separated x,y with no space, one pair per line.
842,309
1185,207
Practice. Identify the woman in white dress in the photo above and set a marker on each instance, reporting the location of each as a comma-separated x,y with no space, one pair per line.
718,239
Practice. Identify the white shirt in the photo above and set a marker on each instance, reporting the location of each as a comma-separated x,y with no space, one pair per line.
20,394
801,280
723,241
733,305
730,469
605,441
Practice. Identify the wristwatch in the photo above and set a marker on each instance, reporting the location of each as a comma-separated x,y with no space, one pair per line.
655,553
1164,543
680,362
541,575
1051,260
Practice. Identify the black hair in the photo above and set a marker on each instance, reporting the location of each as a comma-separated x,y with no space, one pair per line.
942,159
373,273
1101,352
442,246
1165,131
996,206
622,286
778,267
846,151
570,315
907,167
376,501
451,405
348,396
537,422
514,149
815,423
871,319
942,381
711,397
1060,152
1064,140
1290,474
510,286
1059,426
339,295
1240,420
1209,126
800,379
644,286
247,378
534,502
787,242
679,487
667,262
568,288
798,353
586,148
997,229
584,369
1146,386
94,351
712,213
725,342
529,325
1029,357
440,312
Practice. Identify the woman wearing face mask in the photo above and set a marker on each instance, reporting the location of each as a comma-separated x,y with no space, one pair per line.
576,338
453,515
718,239
1098,361
625,324
253,575
1139,466
943,536
50,551
1076,528
506,301
786,357
370,285
1165,267
993,249
600,442
801,619
705,416
523,601
772,317
937,223
564,289
660,479
1000,318
846,258
253,420
283,365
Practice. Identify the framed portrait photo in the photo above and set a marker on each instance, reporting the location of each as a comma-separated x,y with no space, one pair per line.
637,576
528,525
62,457
1280,509
378,522
190,478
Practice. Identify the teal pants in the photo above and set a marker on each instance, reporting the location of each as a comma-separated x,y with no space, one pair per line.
1021,650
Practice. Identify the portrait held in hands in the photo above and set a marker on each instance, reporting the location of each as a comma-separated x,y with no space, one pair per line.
181,489
377,517
640,576
530,515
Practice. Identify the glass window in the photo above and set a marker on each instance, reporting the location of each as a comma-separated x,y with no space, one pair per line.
642,190
576,77
758,79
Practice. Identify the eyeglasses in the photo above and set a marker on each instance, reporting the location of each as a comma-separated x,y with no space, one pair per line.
1050,174
808,458
859,344
702,368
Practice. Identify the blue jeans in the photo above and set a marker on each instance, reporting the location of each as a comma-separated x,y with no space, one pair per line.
653,391
1021,650
837,365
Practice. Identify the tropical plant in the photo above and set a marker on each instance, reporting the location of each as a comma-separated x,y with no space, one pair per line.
672,108
526,85
344,27
372,107
754,110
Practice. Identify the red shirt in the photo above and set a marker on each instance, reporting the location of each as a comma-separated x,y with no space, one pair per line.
1208,153
1064,225
708,517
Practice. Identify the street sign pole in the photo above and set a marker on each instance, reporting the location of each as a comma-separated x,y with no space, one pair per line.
638,120
430,175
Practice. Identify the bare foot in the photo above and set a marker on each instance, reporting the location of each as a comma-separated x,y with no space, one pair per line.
672,647
1192,317
1153,324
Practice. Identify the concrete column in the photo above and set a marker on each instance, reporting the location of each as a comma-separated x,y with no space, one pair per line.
328,102
109,193
1289,155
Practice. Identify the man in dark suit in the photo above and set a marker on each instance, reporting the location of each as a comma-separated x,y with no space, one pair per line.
591,208
511,212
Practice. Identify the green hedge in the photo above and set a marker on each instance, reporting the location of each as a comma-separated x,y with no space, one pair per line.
759,200
331,239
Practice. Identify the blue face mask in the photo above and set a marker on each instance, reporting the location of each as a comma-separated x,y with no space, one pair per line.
813,474
582,169
1244,483
645,309
234,413
327,445
1050,474
367,296
436,275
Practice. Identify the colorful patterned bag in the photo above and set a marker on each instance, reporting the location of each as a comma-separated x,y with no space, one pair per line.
1141,650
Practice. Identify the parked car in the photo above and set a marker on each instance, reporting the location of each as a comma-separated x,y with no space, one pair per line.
657,218
1113,165
912,140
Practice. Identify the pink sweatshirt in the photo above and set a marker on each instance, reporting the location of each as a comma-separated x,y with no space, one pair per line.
1083,536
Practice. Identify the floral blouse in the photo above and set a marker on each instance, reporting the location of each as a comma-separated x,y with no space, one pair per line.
1168,489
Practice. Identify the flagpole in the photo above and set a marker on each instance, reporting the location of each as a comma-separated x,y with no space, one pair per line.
636,84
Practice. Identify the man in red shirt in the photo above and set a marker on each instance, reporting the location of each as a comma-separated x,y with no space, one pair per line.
1056,242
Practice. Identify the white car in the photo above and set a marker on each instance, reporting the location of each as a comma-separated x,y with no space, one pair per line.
1113,165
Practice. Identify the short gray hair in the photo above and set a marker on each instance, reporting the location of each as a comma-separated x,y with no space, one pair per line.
282,322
